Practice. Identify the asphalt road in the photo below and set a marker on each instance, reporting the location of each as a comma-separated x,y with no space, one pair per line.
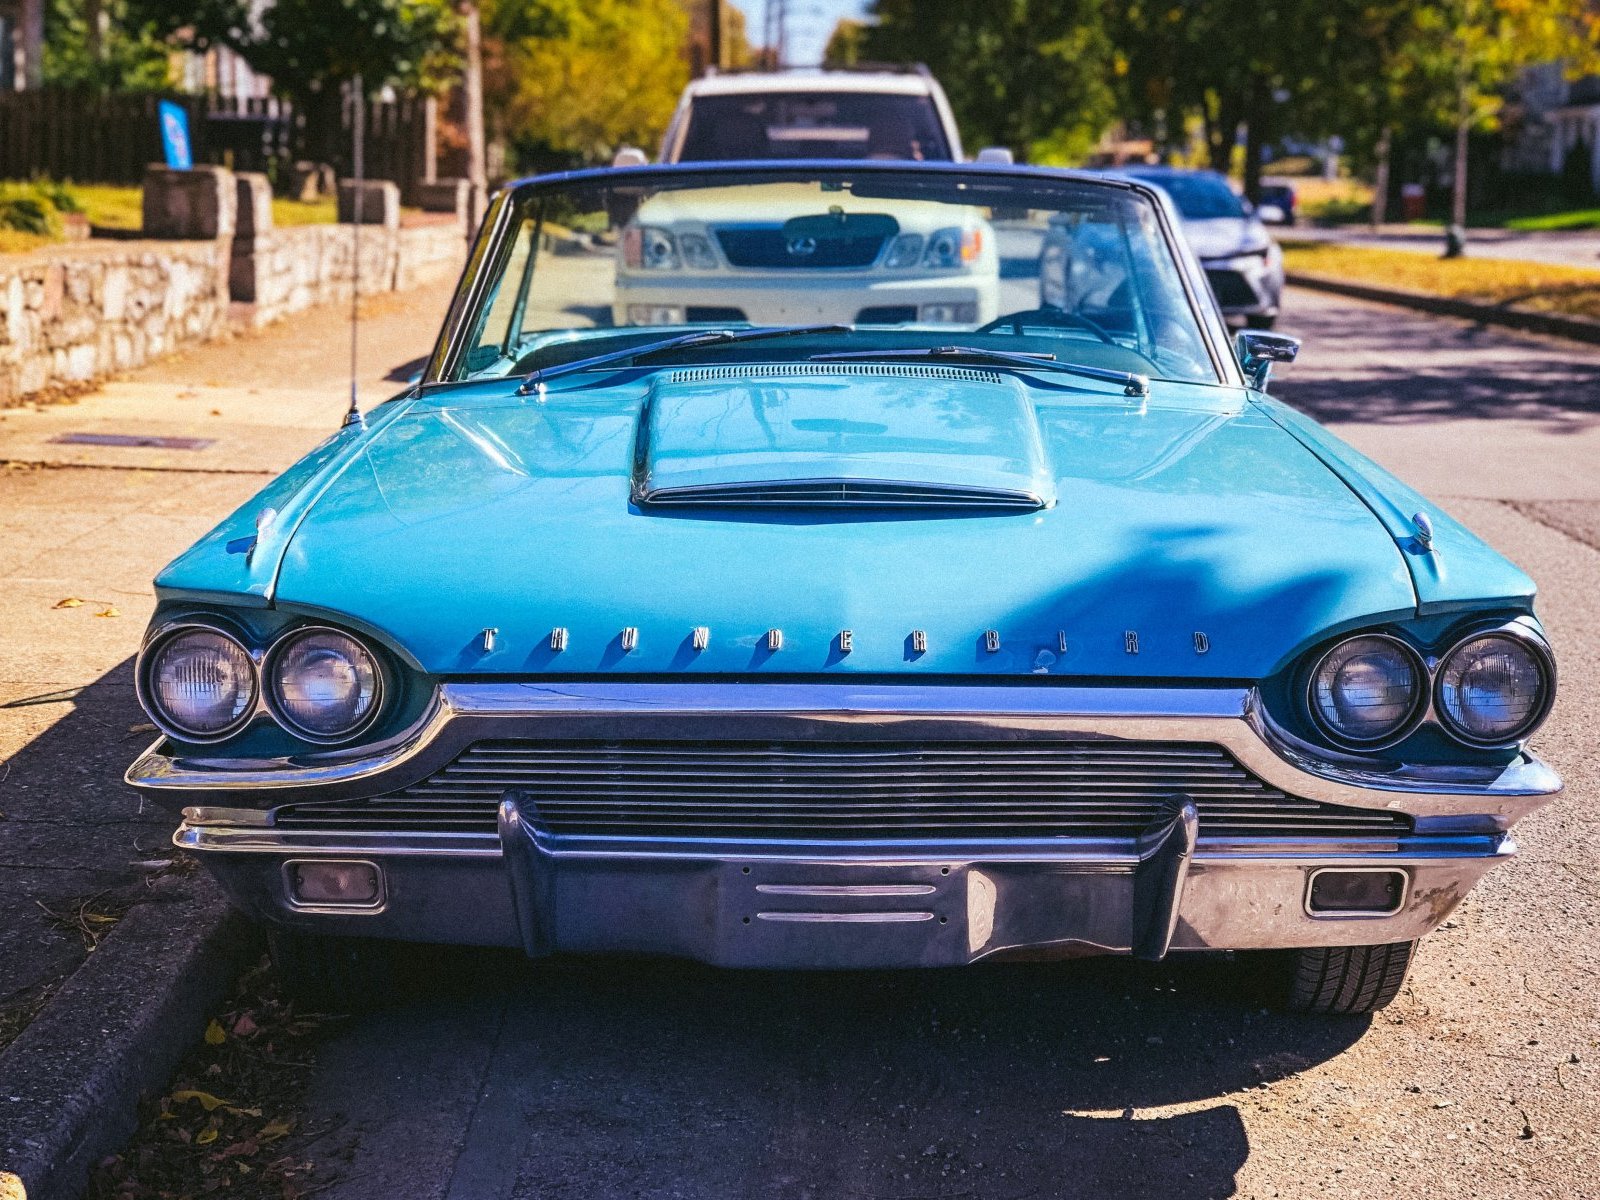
588,1079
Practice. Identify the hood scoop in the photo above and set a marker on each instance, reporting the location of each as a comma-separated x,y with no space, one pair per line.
833,435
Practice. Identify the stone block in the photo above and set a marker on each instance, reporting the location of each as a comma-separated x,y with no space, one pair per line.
380,202
310,180
447,195
201,203
254,204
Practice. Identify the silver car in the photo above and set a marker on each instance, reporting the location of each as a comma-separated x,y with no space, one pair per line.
1242,262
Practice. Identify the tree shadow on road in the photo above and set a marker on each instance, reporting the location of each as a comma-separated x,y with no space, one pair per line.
1364,363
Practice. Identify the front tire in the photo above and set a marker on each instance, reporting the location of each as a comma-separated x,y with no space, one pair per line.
330,974
1344,980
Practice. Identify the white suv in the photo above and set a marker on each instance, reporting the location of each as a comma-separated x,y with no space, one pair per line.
859,113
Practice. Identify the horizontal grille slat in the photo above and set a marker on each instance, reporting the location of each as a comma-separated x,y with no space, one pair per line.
844,790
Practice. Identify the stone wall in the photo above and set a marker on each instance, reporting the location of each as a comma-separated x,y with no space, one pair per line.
282,271
72,314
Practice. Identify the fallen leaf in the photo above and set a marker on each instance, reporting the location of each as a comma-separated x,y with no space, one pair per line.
69,602
215,1036
110,611
146,727
244,1026
276,1129
207,1101
205,1137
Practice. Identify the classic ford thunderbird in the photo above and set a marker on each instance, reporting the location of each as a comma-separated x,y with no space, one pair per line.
846,645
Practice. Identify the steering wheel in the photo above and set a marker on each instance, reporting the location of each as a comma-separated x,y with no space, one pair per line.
1049,316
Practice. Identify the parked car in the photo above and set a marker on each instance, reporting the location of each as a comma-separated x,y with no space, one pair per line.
872,112
1242,263
1278,204
808,646
776,253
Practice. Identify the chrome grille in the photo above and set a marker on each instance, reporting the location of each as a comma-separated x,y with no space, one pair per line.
847,790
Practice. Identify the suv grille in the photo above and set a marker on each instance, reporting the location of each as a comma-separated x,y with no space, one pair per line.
846,790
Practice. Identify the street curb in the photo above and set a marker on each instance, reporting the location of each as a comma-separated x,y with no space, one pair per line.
70,1084
1581,329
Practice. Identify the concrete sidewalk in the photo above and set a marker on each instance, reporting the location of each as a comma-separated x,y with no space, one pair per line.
83,528
1575,248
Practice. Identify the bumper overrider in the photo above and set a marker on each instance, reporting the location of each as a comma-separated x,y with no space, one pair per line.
1197,873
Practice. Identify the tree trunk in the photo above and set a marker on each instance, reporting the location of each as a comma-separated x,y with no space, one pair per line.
1380,182
1458,197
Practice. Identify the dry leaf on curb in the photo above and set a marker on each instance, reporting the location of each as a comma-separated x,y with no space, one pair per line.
144,728
69,602
276,1129
214,1037
207,1101
110,611
244,1026
205,1137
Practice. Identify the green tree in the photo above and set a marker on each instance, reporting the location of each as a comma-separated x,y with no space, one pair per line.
1034,75
92,44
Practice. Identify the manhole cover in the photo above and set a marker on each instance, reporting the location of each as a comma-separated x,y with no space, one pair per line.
131,439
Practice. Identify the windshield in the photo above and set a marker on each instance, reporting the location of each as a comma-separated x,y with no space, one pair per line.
878,261
1199,195
790,125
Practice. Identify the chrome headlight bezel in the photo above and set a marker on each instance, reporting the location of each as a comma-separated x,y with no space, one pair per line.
1414,717
159,717
274,704
1526,638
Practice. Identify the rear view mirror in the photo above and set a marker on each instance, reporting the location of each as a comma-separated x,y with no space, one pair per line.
1258,350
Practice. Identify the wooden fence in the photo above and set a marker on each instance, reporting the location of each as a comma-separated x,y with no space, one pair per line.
88,137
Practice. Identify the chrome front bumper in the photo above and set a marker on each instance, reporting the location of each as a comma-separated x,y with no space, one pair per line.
851,904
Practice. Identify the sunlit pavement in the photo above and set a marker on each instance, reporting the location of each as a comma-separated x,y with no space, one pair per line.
491,1076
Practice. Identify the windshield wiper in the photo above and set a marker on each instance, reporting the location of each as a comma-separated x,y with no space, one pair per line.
1132,384
683,341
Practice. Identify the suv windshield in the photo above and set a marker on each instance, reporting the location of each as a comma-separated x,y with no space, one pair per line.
805,124
1199,195
876,259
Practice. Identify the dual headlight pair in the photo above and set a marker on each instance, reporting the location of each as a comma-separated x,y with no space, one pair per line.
1490,690
202,684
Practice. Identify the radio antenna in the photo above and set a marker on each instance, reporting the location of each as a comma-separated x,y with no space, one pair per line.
358,131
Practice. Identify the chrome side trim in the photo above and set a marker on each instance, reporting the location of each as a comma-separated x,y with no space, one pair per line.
1228,717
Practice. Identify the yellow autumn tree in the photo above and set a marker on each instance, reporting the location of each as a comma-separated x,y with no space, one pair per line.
587,77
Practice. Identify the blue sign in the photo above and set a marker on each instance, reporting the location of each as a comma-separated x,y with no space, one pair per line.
175,136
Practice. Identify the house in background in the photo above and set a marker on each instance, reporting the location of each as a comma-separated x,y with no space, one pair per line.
1552,127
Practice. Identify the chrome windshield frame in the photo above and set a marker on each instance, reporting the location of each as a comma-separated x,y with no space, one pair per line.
493,244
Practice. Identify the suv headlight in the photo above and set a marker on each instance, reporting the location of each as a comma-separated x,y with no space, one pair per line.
1494,688
954,247
323,684
646,248
1367,691
198,684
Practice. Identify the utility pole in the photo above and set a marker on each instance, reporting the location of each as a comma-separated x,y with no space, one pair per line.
32,44
715,56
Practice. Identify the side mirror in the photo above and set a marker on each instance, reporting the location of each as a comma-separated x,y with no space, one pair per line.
630,156
1258,350
996,156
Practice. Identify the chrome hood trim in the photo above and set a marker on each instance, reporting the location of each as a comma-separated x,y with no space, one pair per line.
1228,717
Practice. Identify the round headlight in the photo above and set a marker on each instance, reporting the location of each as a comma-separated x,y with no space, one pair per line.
1368,690
1493,690
325,684
200,683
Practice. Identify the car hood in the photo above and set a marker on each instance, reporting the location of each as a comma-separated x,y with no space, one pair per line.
1222,237
1189,535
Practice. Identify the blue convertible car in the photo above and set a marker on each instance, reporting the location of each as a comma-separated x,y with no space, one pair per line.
933,625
